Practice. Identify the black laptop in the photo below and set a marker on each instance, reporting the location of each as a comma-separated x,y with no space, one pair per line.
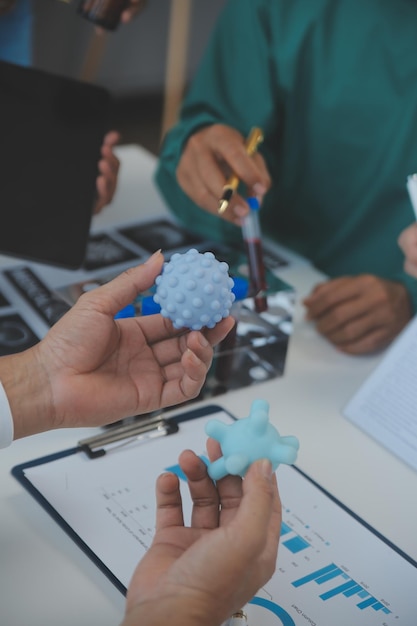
51,132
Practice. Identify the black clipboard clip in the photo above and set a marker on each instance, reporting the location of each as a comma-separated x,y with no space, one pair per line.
118,436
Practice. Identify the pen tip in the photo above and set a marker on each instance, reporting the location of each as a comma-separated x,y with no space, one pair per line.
223,204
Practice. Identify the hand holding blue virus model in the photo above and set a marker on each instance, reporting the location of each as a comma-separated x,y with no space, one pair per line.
248,439
194,290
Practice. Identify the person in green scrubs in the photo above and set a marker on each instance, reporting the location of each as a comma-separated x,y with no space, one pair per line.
332,83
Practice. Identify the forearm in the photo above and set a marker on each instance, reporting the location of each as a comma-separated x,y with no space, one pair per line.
28,392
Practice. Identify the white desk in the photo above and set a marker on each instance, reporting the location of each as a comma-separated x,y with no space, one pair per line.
46,580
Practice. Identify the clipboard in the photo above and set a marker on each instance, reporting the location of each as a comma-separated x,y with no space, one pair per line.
330,562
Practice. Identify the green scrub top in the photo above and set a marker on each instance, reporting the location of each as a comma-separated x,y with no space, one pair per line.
333,84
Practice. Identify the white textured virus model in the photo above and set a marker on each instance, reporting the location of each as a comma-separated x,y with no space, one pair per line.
194,290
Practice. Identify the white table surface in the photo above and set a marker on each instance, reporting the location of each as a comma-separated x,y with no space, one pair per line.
45,579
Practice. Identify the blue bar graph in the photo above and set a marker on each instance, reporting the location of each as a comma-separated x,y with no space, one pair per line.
352,591
285,529
340,589
368,602
296,544
348,589
315,575
330,575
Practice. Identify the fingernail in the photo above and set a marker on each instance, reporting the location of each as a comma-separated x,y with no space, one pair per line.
259,189
203,341
266,468
194,358
152,256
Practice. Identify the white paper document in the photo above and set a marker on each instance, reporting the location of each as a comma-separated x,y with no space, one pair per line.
331,569
385,406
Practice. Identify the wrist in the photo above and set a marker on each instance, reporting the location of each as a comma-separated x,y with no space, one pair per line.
175,611
26,386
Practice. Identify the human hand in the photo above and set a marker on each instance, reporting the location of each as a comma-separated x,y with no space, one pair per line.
6,5
91,369
204,573
209,157
108,167
408,243
359,314
133,8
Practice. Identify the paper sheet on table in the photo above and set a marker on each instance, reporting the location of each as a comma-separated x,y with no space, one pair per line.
385,406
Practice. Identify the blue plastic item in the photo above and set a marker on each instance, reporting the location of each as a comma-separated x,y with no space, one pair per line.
248,439
253,203
194,290
127,311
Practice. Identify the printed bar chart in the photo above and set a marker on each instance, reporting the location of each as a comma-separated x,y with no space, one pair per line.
349,588
294,544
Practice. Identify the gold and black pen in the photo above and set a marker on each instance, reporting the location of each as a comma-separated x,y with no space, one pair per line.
253,140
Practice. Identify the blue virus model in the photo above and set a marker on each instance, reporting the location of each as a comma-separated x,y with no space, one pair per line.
194,290
247,440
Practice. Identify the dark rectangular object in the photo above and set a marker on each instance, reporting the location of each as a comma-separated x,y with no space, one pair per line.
51,130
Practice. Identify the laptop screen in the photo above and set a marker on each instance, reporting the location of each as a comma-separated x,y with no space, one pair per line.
51,131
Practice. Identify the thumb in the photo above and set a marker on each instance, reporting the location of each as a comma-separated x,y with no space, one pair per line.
259,514
122,290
